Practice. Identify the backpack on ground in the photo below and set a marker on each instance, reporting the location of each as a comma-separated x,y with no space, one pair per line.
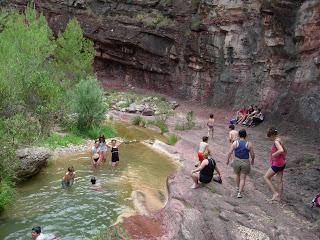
316,201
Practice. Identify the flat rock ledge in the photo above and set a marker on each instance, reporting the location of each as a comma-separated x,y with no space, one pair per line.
31,161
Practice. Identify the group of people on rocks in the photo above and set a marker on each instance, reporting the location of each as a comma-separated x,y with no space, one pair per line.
250,117
244,158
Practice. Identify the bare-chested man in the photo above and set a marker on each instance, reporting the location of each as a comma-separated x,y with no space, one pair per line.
233,134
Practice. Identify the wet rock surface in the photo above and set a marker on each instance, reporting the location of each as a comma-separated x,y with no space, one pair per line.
217,52
31,161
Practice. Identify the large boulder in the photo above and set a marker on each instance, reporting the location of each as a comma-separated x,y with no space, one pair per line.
148,112
132,108
31,161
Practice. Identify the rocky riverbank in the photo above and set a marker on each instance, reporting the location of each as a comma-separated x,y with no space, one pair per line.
214,212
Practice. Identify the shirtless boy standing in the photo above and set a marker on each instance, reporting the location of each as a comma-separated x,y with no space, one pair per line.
233,134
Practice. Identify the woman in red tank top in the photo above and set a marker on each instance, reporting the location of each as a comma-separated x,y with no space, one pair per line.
277,164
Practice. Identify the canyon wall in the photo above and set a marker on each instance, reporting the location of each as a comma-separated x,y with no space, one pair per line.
217,52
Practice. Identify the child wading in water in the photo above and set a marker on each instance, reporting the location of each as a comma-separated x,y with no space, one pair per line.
114,145
277,164
68,178
210,124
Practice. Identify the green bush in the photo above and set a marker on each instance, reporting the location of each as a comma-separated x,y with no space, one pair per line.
35,70
190,120
160,123
172,139
188,125
57,140
95,131
25,67
19,130
139,121
6,193
74,54
180,126
117,232
196,23
87,103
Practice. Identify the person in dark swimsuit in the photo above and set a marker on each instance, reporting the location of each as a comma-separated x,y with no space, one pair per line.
204,173
114,145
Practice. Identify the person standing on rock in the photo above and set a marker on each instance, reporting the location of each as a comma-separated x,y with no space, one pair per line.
210,125
233,134
203,148
241,165
277,164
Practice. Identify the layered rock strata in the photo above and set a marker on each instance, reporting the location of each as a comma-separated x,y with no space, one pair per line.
217,52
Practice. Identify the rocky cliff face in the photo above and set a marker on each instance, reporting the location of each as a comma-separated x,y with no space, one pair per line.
217,52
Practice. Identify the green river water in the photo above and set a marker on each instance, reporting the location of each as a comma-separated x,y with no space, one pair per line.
81,211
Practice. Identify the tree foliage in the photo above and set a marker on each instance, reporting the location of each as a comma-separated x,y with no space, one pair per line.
74,54
36,72
87,102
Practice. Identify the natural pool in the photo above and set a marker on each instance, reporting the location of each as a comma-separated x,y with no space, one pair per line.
82,211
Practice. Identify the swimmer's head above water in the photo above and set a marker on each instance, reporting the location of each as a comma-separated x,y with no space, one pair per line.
35,232
93,180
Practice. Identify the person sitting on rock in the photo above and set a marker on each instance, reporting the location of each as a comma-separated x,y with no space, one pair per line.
250,115
68,178
257,118
254,118
242,115
204,173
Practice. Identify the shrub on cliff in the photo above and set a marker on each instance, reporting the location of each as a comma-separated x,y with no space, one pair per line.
74,54
87,103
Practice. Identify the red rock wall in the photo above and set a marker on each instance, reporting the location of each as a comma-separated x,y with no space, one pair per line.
217,52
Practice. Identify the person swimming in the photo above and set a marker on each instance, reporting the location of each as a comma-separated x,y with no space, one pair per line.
94,185
68,178
36,233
